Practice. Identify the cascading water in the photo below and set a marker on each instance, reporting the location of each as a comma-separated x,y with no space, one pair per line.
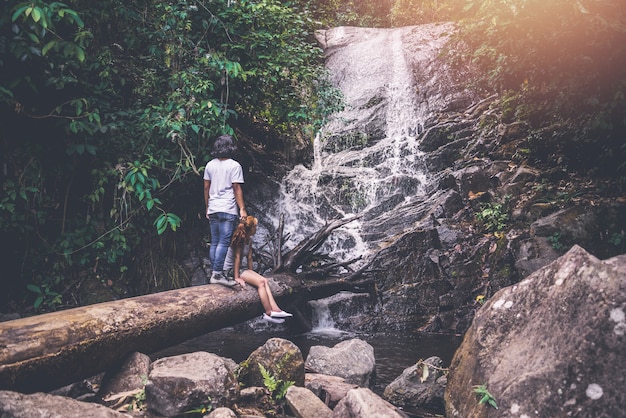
337,314
367,160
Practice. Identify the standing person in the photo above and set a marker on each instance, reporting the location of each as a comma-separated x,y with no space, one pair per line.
241,249
223,198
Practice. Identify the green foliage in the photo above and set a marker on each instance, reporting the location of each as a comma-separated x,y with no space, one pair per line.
276,387
555,241
484,396
46,298
41,22
493,216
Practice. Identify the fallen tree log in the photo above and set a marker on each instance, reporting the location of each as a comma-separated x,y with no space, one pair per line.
48,351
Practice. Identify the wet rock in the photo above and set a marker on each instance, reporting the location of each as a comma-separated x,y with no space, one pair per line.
84,390
222,413
180,383
442,134
362,402
352,360
281,358
18,405
304,404
330,389
473,179
129,378
549,345
419,386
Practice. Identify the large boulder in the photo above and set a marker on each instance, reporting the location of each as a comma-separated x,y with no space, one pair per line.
127,380
181,383
352,360
553,345
419,386
19,405
330,389
362,402
305,404
281,358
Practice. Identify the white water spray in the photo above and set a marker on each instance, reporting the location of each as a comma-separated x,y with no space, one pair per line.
366,158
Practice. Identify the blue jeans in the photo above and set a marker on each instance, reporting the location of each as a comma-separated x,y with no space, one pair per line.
222,228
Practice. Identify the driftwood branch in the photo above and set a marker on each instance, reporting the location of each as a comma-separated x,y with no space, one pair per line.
358,273
279,242
302,252
326,269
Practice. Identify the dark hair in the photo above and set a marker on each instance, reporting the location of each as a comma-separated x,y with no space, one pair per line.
224,147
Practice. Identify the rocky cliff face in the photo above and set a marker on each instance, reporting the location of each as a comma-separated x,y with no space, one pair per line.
484,218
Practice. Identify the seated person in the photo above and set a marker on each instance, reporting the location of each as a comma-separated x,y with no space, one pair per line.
241,248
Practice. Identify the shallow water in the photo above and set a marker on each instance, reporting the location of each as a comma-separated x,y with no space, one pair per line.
393,352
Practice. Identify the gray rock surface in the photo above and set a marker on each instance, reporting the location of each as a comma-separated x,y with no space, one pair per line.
180,383
421,385
304,404
278,356
553,345
362,402
330,389
19,405
131,376
352,360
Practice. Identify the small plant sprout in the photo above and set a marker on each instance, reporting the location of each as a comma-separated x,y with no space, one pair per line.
202,409
485,397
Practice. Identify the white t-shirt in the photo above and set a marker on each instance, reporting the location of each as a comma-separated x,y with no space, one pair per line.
222,174
229,262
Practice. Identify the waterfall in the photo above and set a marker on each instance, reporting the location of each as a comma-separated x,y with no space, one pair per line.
366,159
336,315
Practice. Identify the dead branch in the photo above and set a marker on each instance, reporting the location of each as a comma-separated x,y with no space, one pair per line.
304,250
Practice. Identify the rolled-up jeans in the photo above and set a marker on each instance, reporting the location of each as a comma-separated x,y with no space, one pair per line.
222,226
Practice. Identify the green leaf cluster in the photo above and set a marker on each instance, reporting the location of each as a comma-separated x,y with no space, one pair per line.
276,387
484,396
493,216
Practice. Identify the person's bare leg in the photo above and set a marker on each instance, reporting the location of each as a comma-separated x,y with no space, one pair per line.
270,297
265,294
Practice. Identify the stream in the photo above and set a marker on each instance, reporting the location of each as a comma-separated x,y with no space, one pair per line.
394,352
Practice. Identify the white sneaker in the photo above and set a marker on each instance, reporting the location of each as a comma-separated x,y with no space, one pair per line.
268,318
230,282
217,277
281,314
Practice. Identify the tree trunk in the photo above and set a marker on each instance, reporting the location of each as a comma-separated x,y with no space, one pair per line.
48,351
